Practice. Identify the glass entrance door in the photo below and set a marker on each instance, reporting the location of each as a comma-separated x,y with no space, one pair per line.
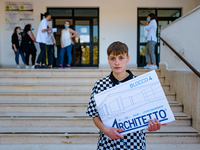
85,51
86,48
82,43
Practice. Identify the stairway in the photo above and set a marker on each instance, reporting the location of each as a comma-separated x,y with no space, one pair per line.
45,110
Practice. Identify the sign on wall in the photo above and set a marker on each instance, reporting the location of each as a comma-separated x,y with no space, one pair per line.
18,14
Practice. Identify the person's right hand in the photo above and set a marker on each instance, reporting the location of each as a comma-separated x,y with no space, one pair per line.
113,133
62,46
15,50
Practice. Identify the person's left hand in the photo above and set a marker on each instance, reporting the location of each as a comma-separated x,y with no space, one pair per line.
154,125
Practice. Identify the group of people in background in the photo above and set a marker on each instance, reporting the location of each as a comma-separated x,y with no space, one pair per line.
23,44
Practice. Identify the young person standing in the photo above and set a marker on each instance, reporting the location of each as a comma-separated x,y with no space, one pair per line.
28,46
66,43
51,42
42,39
151,27
109,138
16,44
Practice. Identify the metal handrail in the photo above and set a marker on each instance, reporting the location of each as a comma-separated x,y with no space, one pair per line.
185,61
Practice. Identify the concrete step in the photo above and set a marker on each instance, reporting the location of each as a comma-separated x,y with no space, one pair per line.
68,122
52,95
67,72
92,138
59,115
86,130
176,138
58,107
53,86
172,146
54,79
92,146
57,102
66,119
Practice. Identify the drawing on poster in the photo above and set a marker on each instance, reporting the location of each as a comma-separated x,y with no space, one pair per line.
116,104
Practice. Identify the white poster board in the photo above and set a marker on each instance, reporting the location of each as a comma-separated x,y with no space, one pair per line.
26,6
131,104
12,19
11,6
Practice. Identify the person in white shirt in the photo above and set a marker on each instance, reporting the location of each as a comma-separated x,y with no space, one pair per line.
42,39
66,43
151,27
50,43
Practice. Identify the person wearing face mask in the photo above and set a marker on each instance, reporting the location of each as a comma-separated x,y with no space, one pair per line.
66,43
50,43
28,45
151,27
16,45
41,38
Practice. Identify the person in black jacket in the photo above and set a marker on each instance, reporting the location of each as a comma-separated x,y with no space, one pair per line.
16,44
28,46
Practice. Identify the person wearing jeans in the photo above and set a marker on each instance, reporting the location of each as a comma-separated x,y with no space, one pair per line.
17,57
68,50
66,43
51,42
151,27
150,53
42,39
16,44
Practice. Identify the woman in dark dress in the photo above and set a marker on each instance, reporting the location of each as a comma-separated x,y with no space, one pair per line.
28,46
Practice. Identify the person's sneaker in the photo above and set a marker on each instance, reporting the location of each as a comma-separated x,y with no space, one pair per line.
60,66
67,66
27,67
18,66
32,67
37,67
48,67
44,66
153,67
147,66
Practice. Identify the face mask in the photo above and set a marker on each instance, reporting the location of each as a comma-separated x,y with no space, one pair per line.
19,31
148,19
66,26
32,29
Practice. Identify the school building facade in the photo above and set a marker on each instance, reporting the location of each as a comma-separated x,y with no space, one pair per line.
99,23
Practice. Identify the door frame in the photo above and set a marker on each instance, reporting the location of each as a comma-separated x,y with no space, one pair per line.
74,18
158,19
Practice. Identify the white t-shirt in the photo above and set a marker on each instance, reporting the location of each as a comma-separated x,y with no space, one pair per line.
66,37
42,36
152,29
20,39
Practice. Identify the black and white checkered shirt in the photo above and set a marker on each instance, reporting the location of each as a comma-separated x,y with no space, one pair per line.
135,140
